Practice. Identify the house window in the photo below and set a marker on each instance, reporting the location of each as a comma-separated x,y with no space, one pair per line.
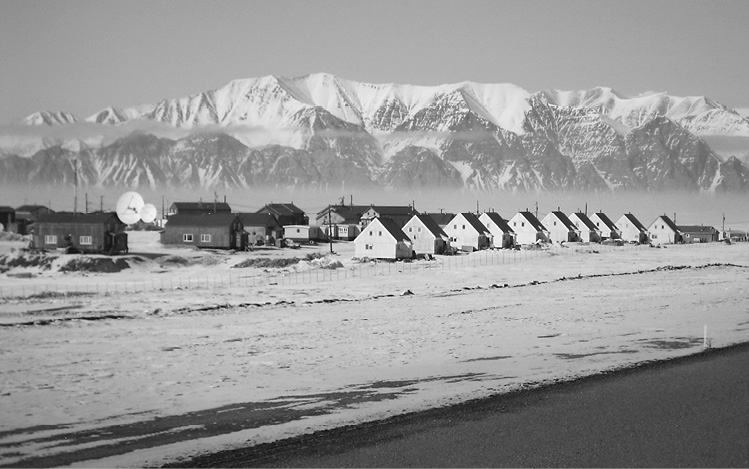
50,239
464,227
298,230
514,223
419,230
555,223
379,233
410,229
367,246
85,240
371,233
187,238
455,227
205,238
522,223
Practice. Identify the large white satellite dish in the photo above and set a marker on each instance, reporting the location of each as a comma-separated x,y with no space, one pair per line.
148,213
129,206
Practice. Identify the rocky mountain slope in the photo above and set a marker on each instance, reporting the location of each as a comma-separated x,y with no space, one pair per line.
321,130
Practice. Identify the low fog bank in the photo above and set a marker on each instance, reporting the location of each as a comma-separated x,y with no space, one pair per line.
688,207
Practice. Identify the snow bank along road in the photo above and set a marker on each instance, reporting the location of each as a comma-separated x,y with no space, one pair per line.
164,376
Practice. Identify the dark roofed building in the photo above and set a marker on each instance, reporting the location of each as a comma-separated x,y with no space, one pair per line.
101,232
400,214
261,228
698,234
286,214
442,219
216,230
606,226
632,230
26,215
196,208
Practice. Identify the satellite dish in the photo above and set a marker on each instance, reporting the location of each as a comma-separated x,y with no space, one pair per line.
148,213
129,206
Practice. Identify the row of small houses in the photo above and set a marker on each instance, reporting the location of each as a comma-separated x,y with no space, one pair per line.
399,231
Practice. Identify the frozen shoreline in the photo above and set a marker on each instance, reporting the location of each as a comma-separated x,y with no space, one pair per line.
458,337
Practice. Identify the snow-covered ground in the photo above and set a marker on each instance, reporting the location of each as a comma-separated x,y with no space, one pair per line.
329,353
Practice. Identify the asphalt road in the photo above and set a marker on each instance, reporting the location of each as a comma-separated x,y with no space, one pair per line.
691,412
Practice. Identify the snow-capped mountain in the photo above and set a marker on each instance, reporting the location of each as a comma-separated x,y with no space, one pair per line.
321,130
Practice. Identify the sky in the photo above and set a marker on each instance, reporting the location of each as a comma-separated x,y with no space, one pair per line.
81,56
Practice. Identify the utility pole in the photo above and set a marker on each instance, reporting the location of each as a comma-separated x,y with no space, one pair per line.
101,203
75,182
330,231
86,201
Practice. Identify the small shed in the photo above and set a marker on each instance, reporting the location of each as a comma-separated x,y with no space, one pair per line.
426,235
303,233
94,233
467,233
561,229
216,230
502,234
382,238
632,230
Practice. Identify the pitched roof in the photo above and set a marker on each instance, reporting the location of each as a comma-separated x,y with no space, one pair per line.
635,222
696,229
5,208
474,221
206,219
565,220
669,222
29,208
282,209
392,227
441,218
258,219
385,210
501,223
535,223
586,221
350,213
431,225
78,218
606,221
208,206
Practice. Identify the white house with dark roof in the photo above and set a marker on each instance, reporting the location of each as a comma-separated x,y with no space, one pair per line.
502,234
606,226
664,231
382,238
426,235
467,233
632,230
528,229
400,214
561,229
589,233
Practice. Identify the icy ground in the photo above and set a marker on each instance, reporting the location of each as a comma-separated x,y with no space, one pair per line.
133,379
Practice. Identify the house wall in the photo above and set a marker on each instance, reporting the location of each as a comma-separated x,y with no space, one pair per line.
221,237
660,233
557,231
630,232
97,232
524,231
606,232
258,233
700,237
302,233
462,233
376,242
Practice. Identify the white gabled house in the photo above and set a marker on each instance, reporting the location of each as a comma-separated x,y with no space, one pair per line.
382,238
561,229
606,226
502,234
467,233
527,228
426,235
632,230
587,230
664,231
